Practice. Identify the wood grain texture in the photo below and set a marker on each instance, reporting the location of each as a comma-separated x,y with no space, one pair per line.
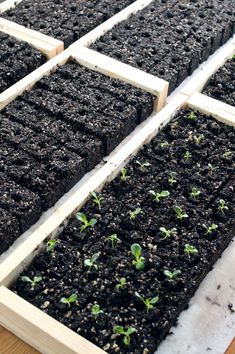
231,348
10,344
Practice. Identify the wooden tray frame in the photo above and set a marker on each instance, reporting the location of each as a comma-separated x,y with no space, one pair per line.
23,319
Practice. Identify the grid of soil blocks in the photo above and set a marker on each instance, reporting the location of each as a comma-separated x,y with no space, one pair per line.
50,137
170,39
221,85
17,59
66,20
126,266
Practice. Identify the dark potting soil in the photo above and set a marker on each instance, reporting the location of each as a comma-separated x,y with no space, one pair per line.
66,20
193,153
169,38
17,59
221,86
51,136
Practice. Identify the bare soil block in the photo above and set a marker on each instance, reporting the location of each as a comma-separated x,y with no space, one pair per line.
170,39
186,160
64,20
221,85
17,59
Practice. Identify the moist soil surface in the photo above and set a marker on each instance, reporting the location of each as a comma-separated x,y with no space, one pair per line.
192,159
221,85
17,59
170,38
51,136
65,20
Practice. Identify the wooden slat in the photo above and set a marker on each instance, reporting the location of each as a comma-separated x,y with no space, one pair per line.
113,68
47,45
40,330
8,4
26,251
231,348
11,344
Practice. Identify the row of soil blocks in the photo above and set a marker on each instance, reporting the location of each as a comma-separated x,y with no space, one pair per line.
126,265
170,39
50,137
64,20
221,85
17,59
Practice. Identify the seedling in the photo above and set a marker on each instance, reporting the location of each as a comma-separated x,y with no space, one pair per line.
212,168
210,229
167,232
69,300
138,262
51,245
86,224
90,262
198,138
121,284
172,275
192,116
96,310
149,303
222,206
143,166
190,250
126,333
195,193
164,144
133,214
96,199
227,153
180,214
157,196
187,155
172,177
113,239
33,282
124,176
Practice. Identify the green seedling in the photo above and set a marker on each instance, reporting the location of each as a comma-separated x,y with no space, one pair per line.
180,214
113,239
164,144
198,138
33,282
222,206
86,224
96,199
143,166
69,300
171,275
172,177
90,262
210,229
227,153
158,196
190,250
149,303
174,125
121,284
138,262
192,116
124,176
187,155
195,193
96,310
126,333
133,214
212,168
51,245
166,233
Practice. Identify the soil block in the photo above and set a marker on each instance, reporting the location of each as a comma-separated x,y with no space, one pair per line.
64,20
170,39
17,59
221,85
176,200
51,136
